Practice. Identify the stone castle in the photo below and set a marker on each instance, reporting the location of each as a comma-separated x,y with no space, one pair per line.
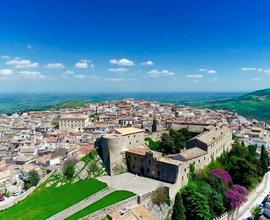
126,150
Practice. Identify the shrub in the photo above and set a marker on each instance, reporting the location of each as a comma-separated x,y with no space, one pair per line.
223,175
160,196
236,196
69,172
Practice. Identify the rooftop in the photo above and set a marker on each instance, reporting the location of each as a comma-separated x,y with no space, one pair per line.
128,130
189,154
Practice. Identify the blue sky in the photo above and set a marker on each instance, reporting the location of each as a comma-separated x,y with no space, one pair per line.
104,45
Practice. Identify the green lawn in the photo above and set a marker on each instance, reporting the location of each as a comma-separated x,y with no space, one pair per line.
45,202
108,200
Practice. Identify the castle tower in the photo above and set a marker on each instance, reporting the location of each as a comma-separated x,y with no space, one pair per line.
155,124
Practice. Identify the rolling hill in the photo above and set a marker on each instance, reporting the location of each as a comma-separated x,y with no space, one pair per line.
253,105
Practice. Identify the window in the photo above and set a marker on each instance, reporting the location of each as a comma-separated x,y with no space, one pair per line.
158,173
135,158
133,167
148,170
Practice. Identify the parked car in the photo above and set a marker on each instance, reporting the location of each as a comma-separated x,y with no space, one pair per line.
267,209
16,193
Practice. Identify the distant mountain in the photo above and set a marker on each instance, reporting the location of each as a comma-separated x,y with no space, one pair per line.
255,105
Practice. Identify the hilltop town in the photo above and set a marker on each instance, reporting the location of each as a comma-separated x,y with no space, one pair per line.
122,136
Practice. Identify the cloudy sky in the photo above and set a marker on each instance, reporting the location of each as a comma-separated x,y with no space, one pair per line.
105,45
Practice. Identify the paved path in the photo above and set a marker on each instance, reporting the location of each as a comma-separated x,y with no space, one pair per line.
255,199
137,184
81,205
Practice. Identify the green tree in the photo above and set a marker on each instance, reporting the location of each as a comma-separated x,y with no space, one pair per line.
196,204
257,212
218,205
33,178
186,133
252,151
264,160
178,139
55,122
167,144
217,184
70,170
178,208
153,145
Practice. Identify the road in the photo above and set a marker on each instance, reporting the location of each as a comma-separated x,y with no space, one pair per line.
255,199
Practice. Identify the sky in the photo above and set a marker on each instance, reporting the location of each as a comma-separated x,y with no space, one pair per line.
118,46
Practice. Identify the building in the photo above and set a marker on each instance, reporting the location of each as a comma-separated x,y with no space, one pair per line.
73,122
113,147
126,148
151,164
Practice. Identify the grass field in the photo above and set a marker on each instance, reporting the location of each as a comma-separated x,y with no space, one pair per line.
45,202
108,200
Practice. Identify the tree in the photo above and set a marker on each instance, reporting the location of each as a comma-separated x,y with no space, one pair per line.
196,204
178,208
33,178
252,151
186,133
167,144
218,206
223,175
178,139
257,212
217,184
70,170
55,122
236,196
153,145
264,160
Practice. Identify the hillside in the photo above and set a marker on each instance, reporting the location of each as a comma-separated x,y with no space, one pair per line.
255,104
68,104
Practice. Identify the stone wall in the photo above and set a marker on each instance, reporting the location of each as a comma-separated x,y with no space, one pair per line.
145,200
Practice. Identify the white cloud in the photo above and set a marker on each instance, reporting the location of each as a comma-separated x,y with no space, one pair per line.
31,74
210,71
158,73
115,79
196,76
265,70
122,62
29,46
55,66
80,76
256,69
22,63
84,64
69,72
248,69
202,70
6,72
5,57
147,63
118,70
